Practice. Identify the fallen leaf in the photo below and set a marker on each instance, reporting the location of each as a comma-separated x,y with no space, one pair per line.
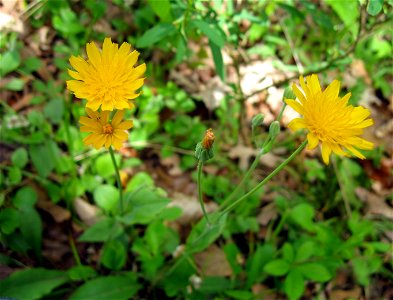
87,212
213,262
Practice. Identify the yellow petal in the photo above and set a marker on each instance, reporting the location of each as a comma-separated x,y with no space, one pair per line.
93,54
297,124
332,90
298,94
313,84
312,141
125,125
117,118
355,152
295,105
326,151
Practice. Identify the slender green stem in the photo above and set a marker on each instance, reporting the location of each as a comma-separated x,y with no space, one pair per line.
253,165
74,250
117,179
200,196
272,174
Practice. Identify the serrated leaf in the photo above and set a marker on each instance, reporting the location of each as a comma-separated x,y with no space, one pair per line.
31,284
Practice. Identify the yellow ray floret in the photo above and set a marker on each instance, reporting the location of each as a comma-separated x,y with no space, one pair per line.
103,132
329,119
108,78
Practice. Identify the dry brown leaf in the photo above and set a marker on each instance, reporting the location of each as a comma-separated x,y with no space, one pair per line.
354,293
268,213
213,262
190,207
87,212
375,204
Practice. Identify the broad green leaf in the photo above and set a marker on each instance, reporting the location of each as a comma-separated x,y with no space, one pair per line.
81,273
277,267
139,180
44,157
374,7
305,251
31,228
288,252
15,84
204,234
294,285
25,197
14,175
161,8
104,166
32,64
109,287
211,31
155,34
240,295
303,214
9,61
348,11
214,284
218,60
261,257
54,110
114,255
145,204
361,270
9,220
31,284
102,231
19,157
107,197
315,272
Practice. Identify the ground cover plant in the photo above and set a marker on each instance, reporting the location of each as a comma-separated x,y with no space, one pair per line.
196,149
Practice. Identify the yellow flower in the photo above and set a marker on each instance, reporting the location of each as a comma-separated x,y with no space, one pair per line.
329,119
105,133
108,78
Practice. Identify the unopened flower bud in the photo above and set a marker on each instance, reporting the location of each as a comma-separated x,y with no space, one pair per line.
204,150
274,129
288,93
208,139
257,120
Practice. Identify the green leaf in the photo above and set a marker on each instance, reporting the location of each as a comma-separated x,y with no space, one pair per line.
303,215
31,228
277,267
305,251
14,175
212,284
348,11
145,204
240,295
107,197
141,179
294,285
15,84
104,166
25,197
204,234
31,284
261,257
211,31
315,272
102,231
9,61
361,270
19,157
288,252
43,157
54,110
32,64
81,273
161,8
9,220
374,7
218,60
155,34
114,255
109,287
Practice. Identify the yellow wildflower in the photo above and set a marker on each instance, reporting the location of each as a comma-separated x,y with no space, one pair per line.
103,132
108,78
329,119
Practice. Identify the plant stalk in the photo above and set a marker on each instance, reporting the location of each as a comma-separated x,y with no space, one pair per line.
118,180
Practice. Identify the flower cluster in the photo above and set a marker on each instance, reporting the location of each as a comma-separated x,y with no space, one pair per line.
329,119
108,81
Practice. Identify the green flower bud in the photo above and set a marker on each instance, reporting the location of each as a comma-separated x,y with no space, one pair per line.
274,129
257,120
288,93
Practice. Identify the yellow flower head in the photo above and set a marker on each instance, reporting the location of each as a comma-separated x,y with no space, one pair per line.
103,132
329,119
108,78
